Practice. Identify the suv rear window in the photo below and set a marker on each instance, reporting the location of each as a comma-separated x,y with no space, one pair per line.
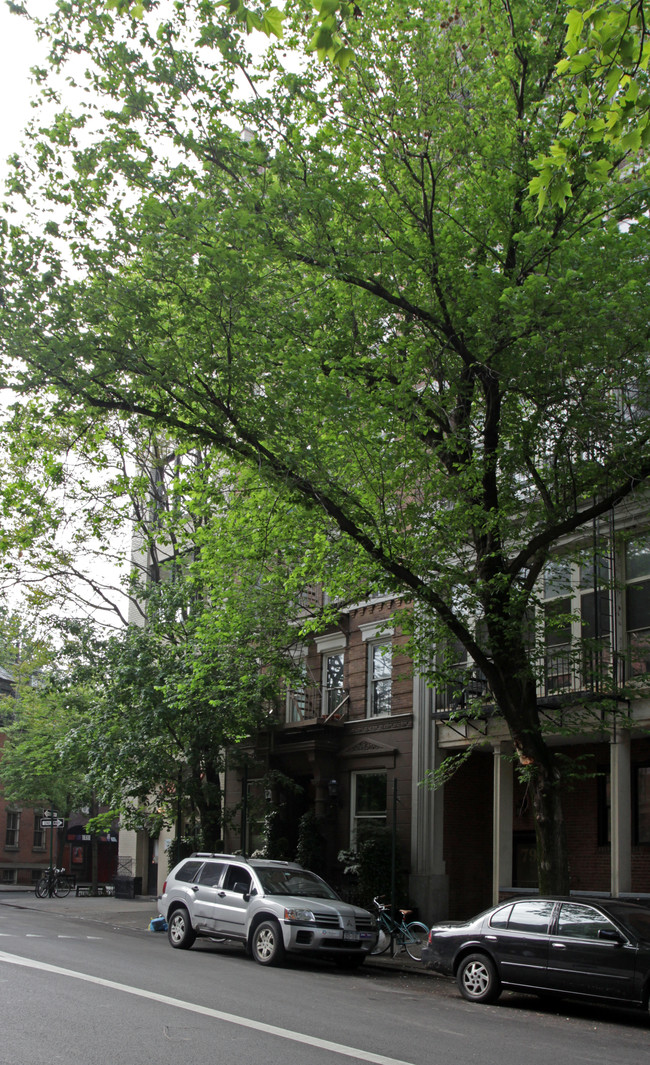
188,871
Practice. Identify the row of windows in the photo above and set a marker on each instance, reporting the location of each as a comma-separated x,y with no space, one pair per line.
596,626
332,696
13,826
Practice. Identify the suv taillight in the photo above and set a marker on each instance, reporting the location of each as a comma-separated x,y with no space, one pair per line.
164,887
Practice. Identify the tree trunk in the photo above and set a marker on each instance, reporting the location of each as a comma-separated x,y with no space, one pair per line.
515,690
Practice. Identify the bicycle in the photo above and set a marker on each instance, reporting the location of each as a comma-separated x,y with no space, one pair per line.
53,882
411,936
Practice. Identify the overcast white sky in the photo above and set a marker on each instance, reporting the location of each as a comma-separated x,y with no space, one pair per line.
19,50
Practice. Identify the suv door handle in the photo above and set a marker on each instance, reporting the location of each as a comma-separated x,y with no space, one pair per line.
221,894
195,887
559,946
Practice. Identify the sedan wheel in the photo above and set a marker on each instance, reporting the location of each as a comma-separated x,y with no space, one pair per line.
477,979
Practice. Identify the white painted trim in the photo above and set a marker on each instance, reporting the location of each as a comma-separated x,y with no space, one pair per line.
334,641
375,630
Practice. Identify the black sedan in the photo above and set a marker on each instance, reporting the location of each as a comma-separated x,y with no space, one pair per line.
592,948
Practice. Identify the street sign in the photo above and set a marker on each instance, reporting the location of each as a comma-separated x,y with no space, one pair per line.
51,822
50,813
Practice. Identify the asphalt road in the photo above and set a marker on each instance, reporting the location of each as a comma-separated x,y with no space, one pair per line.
86,993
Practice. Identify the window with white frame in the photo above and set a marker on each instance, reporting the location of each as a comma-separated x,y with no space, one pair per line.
378,637
332,649
380,683
297,690
334,691
368,805
12,831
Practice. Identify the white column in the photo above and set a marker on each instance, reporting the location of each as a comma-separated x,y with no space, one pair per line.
428,881
621,813
502,819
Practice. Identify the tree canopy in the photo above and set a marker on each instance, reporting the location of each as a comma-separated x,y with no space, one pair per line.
338,278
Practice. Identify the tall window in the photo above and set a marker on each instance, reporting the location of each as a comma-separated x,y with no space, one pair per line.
577,624
39,833
334,690
13,828
297,694
557,625
637,605
380,668
368,804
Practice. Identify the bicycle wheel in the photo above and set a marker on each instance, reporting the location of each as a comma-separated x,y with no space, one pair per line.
416,939
61,887
42,887
383,942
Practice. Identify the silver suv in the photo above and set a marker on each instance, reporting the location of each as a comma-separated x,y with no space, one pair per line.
269,907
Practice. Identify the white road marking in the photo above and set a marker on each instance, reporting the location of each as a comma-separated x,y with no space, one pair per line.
207,1011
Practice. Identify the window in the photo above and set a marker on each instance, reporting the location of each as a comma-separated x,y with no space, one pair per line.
334,691
332,648
39,834
380,668
524,860
637,606
369,791
582,922
188,871
297,693
531,916
237,878
500,918
9,876
577,624
210,874
13,829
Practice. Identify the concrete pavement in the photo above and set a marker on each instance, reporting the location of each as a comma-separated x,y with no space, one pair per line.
135,915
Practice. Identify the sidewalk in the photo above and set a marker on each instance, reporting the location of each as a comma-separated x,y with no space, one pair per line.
135,915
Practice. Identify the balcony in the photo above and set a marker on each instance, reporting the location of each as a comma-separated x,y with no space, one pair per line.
312,704
565,676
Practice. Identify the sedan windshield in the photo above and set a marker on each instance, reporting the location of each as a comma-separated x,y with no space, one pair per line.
294,882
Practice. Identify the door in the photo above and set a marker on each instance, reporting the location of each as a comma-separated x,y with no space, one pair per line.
521,947
230,907
588,955
206,895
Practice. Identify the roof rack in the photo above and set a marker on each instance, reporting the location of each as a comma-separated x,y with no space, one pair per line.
246,861
211,854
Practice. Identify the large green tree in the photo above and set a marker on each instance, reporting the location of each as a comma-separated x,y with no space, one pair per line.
340,279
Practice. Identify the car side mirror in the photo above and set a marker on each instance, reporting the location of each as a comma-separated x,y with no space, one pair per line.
610,935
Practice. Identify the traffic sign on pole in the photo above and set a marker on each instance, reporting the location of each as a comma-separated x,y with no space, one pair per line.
51,822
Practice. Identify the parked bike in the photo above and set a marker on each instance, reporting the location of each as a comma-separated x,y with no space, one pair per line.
409,936
53,882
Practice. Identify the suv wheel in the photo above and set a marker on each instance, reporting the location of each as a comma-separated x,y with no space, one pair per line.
180,932
267,944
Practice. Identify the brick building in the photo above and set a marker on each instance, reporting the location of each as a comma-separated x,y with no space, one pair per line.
365,723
